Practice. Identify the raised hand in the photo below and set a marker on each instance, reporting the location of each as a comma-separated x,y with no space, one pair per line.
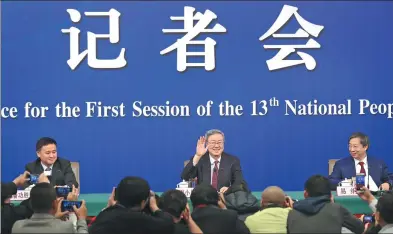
201,148
21,179
43,178
81,212
186,214
112,200
59,214
73,195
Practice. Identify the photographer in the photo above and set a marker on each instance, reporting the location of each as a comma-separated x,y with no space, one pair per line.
210,212
48,213
124,213
383,208
174,202
274,213
10,213
319,210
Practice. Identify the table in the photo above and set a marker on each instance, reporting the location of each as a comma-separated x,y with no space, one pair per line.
97,201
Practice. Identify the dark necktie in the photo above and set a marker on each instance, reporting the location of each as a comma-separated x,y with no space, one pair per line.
49,170
362,169
215,175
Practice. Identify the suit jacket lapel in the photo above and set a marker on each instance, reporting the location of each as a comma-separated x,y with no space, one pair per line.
207,170
38,167
224,167
372,169
55,171
352,167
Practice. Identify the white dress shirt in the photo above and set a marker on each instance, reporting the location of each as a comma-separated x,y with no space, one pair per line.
372,184
47,173
212,160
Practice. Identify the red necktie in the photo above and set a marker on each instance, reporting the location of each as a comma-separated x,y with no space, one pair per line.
362,170
215,175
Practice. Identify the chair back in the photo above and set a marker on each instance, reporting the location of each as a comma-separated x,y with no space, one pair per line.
75,169
332,162
390,179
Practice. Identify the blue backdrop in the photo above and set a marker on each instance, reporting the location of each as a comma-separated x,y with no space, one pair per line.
354,62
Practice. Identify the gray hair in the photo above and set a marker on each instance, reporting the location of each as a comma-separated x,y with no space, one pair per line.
212,132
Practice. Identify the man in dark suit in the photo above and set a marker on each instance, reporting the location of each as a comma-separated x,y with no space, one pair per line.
126,215
58,170
375,169
211,165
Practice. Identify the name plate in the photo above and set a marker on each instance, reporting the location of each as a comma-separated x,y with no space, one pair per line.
21,195
186,191
346,191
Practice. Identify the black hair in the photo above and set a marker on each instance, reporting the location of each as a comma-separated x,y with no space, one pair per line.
385,207
43,142
132,190
204,195
318,185
42,196
174,202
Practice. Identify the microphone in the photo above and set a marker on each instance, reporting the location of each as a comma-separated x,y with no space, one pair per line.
215,169
368,177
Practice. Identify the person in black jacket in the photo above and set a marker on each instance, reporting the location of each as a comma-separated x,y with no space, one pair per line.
175,203
318,214
211,215
126,215
58,170
10,213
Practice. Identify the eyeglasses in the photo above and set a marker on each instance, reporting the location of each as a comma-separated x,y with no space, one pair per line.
355,147
212,143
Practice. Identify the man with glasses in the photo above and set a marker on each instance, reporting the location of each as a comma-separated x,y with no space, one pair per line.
211,165
375,170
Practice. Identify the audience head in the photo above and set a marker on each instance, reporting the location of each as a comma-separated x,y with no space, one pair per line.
204,195
43,198
46,149
317,186
273,196
133,192
173,202
384,213
215,142
358,144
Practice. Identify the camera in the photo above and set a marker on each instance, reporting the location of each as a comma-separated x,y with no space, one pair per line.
68,205
33,178
368,219
63,191
360,181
